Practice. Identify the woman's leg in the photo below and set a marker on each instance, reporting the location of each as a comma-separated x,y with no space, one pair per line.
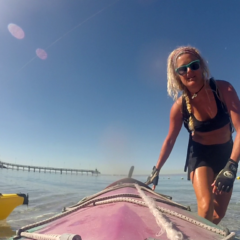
202,178
221,202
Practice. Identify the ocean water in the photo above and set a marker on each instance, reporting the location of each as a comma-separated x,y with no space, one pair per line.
49,193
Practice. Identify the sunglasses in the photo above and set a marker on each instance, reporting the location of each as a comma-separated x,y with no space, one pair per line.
194,65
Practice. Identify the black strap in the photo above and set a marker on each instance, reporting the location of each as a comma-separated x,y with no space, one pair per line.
219,102
187,158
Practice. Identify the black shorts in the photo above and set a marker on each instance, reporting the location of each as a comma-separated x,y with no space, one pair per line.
214,156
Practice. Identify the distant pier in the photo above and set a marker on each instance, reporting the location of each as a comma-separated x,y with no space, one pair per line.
28,168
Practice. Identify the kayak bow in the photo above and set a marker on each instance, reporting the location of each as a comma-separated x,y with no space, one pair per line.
125,210
10,201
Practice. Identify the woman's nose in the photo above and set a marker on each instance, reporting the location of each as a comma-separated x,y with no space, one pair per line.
189,69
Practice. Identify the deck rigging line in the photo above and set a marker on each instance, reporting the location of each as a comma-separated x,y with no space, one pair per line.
165,226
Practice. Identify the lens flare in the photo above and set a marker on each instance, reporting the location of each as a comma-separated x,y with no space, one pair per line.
16,31
41,53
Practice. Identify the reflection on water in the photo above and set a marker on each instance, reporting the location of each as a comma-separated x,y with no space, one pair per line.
6,230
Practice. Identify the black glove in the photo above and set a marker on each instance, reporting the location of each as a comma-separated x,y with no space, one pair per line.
153,178
225,179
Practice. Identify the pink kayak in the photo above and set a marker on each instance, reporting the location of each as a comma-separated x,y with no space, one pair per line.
125,210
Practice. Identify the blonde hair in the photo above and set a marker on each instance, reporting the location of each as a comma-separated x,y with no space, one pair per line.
174,84
189,108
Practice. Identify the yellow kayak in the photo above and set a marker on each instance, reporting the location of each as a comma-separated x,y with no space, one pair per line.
10,201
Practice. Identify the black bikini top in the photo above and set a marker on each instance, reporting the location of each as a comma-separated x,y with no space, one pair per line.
221,119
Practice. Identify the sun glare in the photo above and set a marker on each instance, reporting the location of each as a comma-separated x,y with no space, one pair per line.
41,53
16,31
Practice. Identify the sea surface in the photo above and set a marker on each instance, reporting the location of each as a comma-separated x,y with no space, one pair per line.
49,193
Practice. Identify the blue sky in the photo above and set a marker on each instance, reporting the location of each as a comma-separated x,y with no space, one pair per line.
99,99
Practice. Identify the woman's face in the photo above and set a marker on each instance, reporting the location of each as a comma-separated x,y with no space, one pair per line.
193,76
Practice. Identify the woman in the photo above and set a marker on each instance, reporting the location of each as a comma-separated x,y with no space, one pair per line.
208,108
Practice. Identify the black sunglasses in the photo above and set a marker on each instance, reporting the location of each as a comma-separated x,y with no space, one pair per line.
194,65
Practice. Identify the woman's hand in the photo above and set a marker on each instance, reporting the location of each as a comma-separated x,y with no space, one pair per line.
153,178
225,179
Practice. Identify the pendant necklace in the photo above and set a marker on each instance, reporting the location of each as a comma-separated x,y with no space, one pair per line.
196,93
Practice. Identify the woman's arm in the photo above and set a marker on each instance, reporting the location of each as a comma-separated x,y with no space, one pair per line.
232,102
225,179
174,129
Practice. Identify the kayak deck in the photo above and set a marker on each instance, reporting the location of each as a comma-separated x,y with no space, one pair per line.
128,210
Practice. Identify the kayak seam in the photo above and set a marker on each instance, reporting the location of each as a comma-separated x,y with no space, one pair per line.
167,198
137,196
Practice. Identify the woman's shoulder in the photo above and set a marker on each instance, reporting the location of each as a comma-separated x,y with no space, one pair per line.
178,102
177,105
222,83
226,90
224,86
